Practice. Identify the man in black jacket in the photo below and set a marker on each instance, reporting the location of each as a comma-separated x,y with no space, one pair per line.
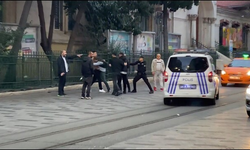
87,73
141,73
116,65
124,74
63,69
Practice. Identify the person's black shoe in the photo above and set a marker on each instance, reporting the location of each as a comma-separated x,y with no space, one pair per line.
129,91
118,94
133,91
124,92
151,92
108,90
113,93
64,94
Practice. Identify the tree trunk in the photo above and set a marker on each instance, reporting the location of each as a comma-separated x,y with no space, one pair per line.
46,42
51,25
11,71
76,26
165,32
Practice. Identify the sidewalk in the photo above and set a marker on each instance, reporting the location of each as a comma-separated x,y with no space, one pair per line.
32,110
228,130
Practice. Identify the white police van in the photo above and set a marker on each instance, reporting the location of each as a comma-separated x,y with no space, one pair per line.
190,75
248,100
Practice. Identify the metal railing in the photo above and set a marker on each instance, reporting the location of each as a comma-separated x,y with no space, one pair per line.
32,71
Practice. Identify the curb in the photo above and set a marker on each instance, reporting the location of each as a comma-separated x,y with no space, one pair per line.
53,89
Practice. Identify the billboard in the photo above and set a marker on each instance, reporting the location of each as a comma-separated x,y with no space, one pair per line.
120,40
29,43
145,43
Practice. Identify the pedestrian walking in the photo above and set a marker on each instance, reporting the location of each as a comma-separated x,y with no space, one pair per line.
102,66
87,74
158,68
97,74
124,74
63,69
116,65
141,73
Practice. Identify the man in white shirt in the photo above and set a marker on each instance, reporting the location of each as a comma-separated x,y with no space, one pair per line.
63,69
157,68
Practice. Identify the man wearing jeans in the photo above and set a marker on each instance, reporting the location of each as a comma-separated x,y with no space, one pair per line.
87,73
116,65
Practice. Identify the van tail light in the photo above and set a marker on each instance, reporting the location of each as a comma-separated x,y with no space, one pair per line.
210,76
165,76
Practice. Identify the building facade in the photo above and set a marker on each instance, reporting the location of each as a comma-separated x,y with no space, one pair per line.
210,24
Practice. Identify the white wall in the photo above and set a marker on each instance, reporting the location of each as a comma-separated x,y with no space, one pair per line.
182,26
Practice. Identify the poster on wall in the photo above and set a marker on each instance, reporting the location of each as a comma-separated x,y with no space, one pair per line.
232,34
120,40
145,43
29,40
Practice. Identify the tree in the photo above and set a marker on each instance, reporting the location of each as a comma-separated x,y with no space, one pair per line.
172,6
11,72
116,15
46,41
80,6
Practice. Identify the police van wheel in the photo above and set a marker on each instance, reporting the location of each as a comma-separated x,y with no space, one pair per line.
166,101
223,84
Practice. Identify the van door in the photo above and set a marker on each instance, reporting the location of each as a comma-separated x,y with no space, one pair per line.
189,75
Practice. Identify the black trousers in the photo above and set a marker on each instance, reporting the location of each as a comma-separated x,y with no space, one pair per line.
124,78
145,79
87,83
62,82
116,88
97,75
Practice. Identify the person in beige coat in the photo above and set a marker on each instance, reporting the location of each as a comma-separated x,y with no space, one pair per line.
158,68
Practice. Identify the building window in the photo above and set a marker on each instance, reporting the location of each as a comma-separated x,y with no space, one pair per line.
71,22
59,15
1,11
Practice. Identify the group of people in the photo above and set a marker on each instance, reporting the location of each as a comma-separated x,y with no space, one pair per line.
94,69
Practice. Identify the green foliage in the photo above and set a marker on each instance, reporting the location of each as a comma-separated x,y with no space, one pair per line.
7,39
175,5
115,15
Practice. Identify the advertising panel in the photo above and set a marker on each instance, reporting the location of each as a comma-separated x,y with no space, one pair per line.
121,41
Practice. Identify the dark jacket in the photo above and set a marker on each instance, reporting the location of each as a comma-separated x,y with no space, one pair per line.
87,67
124,59
61,65
141,66
116,65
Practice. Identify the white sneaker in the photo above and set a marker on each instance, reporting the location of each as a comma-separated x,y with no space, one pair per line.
88,98
82,97
102,91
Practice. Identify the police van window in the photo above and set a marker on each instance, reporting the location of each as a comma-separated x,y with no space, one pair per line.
188,64
240,63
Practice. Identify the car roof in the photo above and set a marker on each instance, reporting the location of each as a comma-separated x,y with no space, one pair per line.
241,59
190,54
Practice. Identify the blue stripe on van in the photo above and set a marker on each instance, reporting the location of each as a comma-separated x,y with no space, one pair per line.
169,85
175,86
173,83
204,76
202,83
199,82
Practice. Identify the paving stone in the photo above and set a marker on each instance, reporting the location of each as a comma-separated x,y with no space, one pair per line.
221,131
20,113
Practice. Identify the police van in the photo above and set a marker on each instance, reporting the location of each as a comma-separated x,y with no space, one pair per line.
190,74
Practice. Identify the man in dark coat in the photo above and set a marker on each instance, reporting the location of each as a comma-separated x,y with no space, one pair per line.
87,73
63,69
124,74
